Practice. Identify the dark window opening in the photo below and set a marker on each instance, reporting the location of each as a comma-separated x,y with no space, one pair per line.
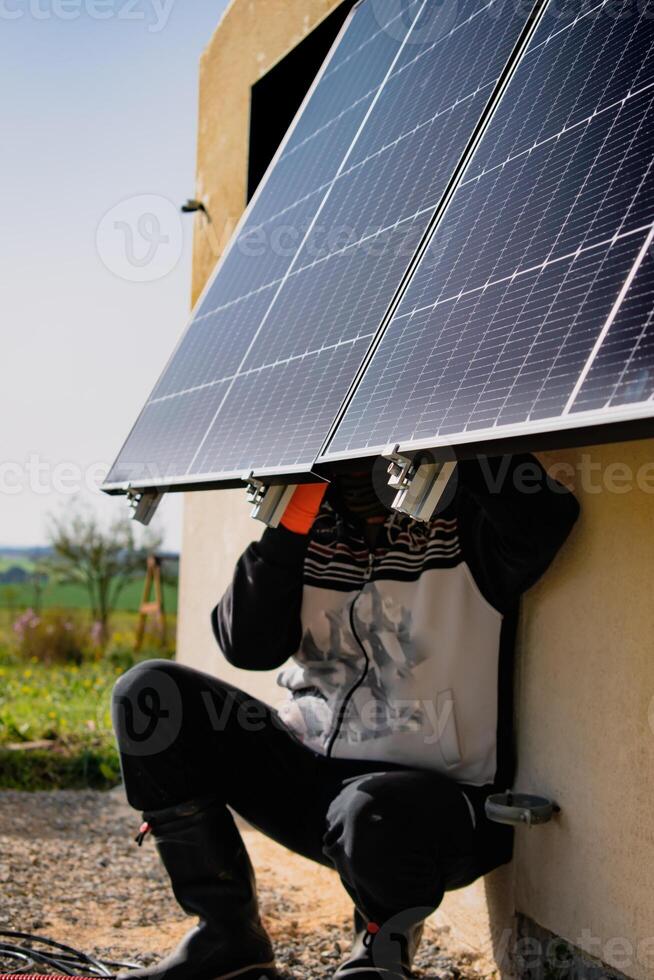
277,96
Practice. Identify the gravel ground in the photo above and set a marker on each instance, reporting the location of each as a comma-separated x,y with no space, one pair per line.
69,869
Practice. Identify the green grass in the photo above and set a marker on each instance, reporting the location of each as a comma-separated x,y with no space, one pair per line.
59,596
68,706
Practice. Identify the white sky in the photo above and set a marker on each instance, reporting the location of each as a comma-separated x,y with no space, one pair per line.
99,107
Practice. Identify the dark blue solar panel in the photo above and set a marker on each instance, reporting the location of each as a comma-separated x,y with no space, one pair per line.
284,327
162,443
349,267
522,276
214,344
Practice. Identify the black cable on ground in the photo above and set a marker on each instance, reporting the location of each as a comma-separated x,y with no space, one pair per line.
21,951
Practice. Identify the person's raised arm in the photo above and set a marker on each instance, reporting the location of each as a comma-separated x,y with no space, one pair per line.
257,623
513,518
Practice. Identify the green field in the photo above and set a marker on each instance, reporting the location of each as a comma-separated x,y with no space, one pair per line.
24,595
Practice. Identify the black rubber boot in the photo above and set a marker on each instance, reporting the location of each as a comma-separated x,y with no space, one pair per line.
212,878
380,952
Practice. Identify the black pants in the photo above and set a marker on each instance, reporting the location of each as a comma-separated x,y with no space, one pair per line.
399,838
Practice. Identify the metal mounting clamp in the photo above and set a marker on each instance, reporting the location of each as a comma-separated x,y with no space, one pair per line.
420,483
269,502
520,808
143,504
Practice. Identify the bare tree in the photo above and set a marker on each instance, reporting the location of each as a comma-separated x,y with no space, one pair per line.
102,560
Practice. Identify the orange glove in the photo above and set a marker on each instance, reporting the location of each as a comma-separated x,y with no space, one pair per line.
303,507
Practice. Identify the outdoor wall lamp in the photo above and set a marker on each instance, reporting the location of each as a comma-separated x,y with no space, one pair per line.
191,206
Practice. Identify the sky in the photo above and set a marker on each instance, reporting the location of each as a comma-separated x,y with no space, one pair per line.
98,123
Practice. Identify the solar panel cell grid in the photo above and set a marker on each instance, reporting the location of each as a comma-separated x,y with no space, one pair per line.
336,299
247,431
526,266
214,344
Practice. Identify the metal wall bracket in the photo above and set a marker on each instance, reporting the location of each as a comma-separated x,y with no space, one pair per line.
420,484
269,502
520,808
143,504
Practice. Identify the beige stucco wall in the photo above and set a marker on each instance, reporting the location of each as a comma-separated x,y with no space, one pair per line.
587,719
586,677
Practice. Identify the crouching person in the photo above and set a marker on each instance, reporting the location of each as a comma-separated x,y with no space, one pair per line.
396,728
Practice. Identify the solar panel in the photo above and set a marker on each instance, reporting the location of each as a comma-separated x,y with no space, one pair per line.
290,313
531,307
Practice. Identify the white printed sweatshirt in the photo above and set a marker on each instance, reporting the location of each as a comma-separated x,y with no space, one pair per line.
404,652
